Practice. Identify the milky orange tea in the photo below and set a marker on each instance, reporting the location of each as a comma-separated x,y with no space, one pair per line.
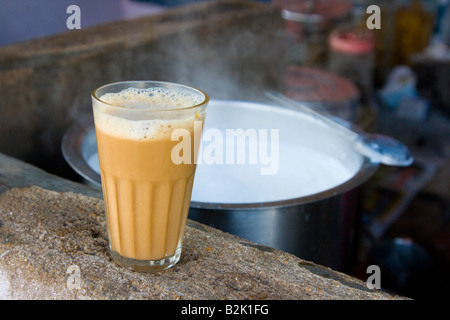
146,194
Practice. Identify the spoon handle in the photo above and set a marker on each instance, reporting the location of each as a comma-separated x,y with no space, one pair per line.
379,148
321,116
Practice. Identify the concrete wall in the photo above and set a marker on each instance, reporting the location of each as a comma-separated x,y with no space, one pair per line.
231,49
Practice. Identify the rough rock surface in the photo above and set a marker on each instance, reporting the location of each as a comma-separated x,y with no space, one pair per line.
53,245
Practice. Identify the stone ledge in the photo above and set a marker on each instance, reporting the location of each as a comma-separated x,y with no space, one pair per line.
50,236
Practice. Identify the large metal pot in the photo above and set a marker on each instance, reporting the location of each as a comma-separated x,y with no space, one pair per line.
307,207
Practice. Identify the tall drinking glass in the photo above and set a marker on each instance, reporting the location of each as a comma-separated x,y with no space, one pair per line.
148,134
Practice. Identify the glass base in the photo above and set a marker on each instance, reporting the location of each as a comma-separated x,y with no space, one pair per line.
151,266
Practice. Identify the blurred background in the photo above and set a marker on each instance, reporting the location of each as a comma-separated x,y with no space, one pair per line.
389,71
28,19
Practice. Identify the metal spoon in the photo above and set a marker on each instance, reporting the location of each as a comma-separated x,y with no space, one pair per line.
378,148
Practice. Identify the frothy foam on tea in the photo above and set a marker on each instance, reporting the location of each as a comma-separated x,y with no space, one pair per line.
153,98
149,99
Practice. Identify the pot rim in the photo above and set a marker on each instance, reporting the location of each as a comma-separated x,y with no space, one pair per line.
368,168
75,135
